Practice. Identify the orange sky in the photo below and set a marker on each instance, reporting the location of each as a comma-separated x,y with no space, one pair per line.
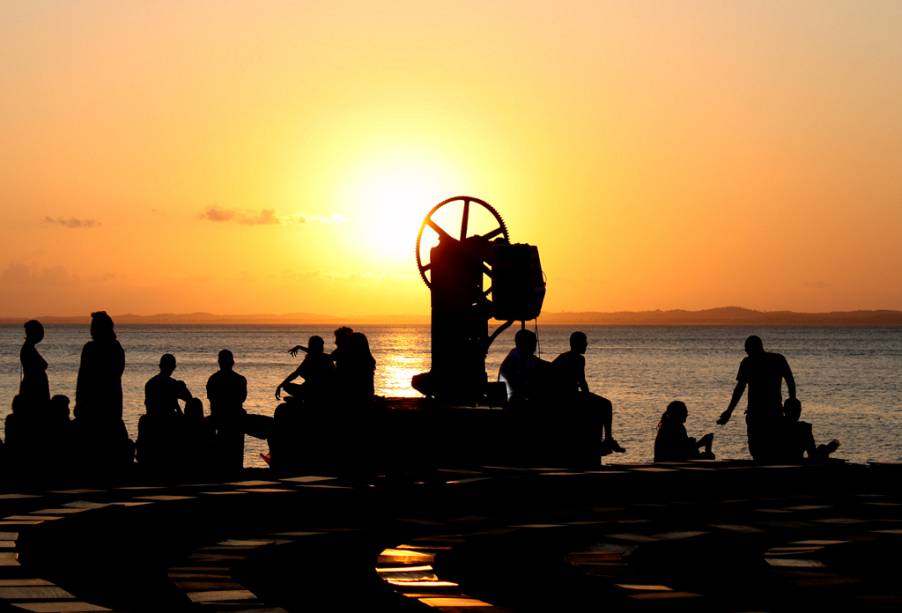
279,157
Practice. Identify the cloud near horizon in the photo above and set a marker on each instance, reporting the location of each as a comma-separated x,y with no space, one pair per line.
265,217
72,222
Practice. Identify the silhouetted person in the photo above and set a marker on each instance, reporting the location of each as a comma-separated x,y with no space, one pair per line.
570,375
358,368
160,430
98,390
522,372
162,393
763,373
673,444
19,429
317,370
102,438
34,387
227,391
198,440
798,437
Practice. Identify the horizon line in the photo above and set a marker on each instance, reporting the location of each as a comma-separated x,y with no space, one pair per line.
725,315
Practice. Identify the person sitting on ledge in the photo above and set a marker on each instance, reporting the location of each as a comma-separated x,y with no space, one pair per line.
798,438
522,372
227,391
162,392
570,372
317,370
672,444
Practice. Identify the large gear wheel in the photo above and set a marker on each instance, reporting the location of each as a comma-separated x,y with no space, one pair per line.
428,222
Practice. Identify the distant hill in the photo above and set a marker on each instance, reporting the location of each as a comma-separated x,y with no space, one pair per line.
728,316
724,316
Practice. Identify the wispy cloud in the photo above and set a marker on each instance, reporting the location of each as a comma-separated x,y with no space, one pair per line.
72,222
264,217
267,217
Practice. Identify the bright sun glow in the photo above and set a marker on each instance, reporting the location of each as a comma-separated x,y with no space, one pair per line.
390,199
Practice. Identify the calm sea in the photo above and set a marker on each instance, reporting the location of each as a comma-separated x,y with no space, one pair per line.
848,378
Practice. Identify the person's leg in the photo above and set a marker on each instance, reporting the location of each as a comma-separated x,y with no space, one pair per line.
605,410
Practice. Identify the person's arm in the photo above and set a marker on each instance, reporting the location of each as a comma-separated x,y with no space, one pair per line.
737,394
242,394
294,350
790,380
582,384
294,375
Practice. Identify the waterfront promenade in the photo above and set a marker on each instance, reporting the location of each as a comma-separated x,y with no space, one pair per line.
724,536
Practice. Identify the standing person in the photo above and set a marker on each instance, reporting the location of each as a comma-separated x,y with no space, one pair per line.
570,373
763,373
673,444
98,400
227,391
34,388
98,390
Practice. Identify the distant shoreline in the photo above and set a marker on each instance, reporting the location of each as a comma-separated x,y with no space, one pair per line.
722,317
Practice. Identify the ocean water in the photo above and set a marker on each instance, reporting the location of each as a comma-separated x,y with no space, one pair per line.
849,379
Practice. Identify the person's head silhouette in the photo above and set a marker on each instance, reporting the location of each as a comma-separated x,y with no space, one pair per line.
676,411
194,409
579,342
342,335
34,331
792,408
316,345
226,360
102,326
754,345
525,340
167,363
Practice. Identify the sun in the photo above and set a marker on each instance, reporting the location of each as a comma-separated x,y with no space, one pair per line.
391,197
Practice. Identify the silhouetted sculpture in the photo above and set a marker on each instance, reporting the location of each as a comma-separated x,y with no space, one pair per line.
763,373
524,374
673,444
102,435
227,391
317,370
34,387
798,437
570,375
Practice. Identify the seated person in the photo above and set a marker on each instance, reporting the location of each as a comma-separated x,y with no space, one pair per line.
197,433
524,374
797,437
162,392
318,371
570,376
672,444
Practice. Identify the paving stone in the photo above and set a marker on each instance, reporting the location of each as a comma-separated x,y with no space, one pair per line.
68,606
664,596
33,592
9,558
251,483
309,479
794,563
24,582
268,490
167,497
221,596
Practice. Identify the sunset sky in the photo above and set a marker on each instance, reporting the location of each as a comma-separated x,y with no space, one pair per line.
248,157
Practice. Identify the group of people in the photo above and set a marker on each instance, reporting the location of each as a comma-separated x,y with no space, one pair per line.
534,384
41,432
775,432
